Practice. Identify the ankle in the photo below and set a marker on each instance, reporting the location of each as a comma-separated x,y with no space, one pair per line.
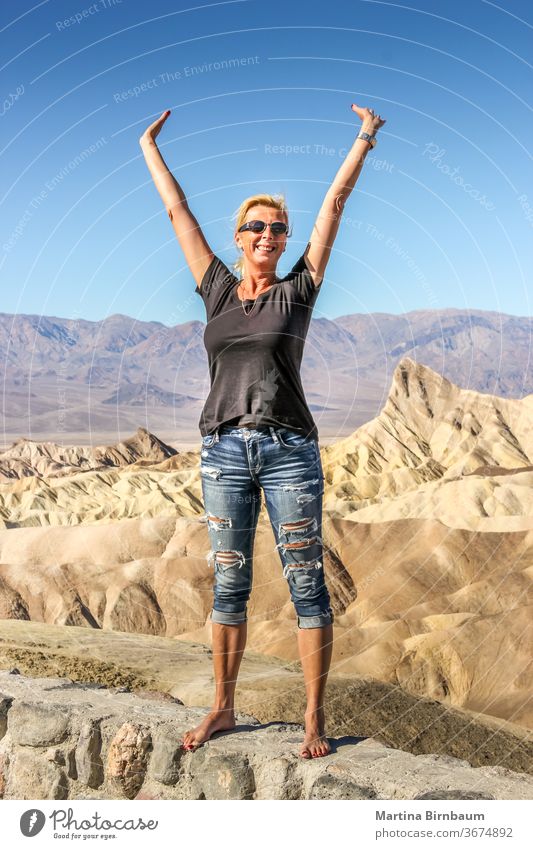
223,708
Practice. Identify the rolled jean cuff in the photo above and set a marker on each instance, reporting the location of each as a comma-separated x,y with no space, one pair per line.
228,618
319,621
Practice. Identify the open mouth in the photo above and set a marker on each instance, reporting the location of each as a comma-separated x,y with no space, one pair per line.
264,249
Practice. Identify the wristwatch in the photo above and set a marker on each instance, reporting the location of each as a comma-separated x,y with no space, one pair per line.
367,137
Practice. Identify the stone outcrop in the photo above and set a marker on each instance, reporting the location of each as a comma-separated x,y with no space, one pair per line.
61,740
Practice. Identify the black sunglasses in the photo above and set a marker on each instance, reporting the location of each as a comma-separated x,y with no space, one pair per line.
277,227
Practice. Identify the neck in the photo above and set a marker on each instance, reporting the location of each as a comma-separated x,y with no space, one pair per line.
256,281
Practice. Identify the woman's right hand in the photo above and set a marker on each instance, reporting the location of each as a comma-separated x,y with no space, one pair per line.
371,122
151,133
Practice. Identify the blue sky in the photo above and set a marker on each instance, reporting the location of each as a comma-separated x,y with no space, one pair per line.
260,93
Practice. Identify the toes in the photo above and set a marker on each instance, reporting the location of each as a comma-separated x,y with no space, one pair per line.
316,747
319,749
188,741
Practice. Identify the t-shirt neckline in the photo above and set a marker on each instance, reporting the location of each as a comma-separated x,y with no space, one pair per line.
252,300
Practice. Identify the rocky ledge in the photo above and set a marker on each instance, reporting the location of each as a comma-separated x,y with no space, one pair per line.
66,740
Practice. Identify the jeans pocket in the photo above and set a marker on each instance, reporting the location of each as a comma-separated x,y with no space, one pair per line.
208,441
291,438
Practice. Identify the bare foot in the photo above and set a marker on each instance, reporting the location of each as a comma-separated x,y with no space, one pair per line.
315,744
217,720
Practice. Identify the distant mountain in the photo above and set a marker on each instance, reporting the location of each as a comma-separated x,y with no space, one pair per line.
28,458
484,351
76,376
140,394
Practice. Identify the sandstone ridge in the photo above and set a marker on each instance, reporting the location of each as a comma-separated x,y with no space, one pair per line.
427,534
29,458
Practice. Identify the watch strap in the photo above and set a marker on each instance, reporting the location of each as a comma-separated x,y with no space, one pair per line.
367,137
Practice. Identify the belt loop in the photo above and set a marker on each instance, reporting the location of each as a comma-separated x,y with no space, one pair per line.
273,433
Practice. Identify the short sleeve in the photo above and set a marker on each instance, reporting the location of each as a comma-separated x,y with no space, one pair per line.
216,278
300,277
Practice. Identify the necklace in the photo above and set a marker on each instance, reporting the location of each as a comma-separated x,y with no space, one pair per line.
254,300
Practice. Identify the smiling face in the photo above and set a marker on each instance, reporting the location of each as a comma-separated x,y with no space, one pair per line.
262,250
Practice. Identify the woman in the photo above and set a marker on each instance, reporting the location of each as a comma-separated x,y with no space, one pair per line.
258,434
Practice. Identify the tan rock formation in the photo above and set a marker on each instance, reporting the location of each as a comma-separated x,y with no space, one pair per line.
428,526
28,458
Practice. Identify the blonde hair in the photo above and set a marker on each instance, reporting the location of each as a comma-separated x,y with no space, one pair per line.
274,201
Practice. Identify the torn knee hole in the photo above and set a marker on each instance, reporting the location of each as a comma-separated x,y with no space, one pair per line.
219,521
302,525
302,544
294,526
308,564
226,558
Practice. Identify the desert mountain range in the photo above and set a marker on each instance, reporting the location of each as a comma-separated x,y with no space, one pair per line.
428,545
72,378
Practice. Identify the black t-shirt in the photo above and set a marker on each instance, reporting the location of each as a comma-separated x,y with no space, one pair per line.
254,360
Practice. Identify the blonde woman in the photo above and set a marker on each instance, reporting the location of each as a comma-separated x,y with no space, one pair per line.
258,434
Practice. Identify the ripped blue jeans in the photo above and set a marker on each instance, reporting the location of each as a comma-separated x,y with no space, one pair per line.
236,464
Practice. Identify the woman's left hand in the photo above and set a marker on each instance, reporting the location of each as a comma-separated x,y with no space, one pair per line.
371,122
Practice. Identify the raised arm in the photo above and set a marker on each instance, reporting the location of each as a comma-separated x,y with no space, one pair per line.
193,242
327,223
